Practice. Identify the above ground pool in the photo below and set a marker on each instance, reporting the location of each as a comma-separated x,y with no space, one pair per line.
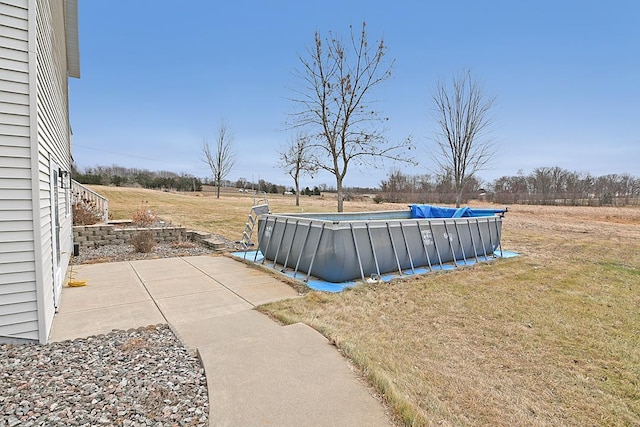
339,247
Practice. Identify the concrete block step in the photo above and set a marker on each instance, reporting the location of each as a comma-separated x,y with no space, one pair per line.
213,244
198,235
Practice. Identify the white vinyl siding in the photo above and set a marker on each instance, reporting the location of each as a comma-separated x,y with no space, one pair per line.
35,143
53,142
18,300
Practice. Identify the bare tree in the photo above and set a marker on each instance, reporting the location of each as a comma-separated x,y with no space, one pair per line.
462,110
296,161
221,160
334,104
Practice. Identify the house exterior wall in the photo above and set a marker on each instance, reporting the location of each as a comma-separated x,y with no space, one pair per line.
54,150
34,148
18,296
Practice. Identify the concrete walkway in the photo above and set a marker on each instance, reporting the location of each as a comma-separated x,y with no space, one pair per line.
258,372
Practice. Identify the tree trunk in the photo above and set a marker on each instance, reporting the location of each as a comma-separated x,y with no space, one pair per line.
297,194
340,197
218,188
459,188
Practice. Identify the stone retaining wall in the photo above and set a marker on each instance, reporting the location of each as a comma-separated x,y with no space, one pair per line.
91,236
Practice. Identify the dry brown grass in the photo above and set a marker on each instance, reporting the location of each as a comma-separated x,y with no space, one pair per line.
203,211
549,338
545,339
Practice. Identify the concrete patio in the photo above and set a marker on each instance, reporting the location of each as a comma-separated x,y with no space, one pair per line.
258,372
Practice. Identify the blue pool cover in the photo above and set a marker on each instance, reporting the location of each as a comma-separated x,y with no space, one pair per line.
429,211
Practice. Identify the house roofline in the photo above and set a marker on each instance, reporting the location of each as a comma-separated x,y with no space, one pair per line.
71,29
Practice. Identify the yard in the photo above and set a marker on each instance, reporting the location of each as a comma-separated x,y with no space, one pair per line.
549,338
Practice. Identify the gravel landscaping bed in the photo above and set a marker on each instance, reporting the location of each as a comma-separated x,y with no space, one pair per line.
141,377
114,253
126,252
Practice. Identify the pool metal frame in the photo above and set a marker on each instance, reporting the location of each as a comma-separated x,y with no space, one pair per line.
479,229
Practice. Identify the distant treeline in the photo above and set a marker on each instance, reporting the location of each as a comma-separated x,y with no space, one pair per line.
165,180
557,186
122,177
269,187
544,185
400,187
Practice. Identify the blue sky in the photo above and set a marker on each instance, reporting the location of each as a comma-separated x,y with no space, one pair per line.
157,78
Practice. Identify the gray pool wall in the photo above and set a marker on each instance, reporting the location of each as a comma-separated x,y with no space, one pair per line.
339,247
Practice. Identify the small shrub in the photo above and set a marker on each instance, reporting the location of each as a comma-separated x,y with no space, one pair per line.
143,216
143,242
85,214
377,199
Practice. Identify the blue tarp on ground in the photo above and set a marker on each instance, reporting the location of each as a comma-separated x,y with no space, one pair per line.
321,285
429,211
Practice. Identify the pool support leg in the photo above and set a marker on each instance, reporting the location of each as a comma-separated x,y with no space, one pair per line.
393,246
373,249
424,246
406,246
464,257
490,239
473,242
293,238
315,251
495,221
355,245
266,248
453,252
484,248
304,243
264,228
435,245
275,258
